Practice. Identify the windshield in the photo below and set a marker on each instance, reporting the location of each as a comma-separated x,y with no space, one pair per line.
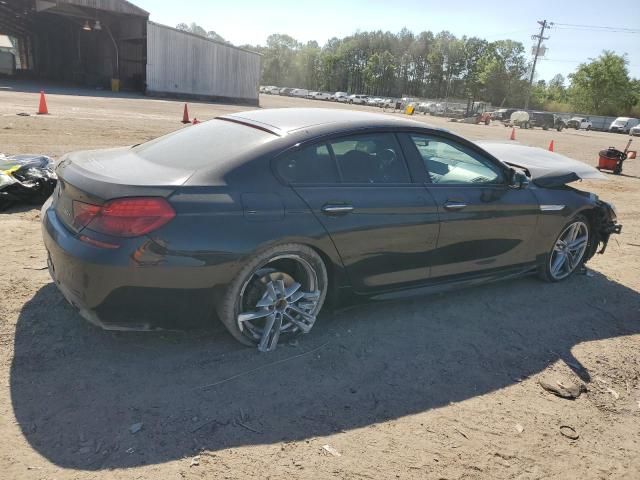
207,144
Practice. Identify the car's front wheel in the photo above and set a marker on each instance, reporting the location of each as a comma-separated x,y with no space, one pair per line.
568,251
278,292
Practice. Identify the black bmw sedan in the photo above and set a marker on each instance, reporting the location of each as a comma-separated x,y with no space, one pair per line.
262,217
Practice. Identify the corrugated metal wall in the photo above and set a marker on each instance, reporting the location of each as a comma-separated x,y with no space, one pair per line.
179,63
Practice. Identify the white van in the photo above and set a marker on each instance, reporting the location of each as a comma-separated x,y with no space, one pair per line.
299,92
623,124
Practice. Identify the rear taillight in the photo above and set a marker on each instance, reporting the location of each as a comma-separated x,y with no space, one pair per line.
124,217
83,213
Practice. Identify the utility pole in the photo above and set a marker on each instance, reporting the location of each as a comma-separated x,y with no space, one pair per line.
540,37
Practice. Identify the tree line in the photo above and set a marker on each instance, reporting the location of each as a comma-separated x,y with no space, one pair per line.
439,65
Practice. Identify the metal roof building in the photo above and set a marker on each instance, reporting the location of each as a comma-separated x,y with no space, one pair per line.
91,42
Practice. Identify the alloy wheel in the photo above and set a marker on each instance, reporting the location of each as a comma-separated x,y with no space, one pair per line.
569,250
281,297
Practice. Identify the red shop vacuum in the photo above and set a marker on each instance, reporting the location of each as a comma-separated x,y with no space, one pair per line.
611,159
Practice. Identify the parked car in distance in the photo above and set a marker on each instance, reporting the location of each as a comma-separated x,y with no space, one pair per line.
546,120
580,123
299,92
271,90
392,103
341,97
286,91
623,124
428,107
503,115
358,99
258,217
321,96
635,131
374,101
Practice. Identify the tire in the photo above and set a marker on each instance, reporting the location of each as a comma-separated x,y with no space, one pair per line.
545,268
279,259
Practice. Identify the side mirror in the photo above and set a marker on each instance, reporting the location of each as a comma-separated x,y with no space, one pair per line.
519,180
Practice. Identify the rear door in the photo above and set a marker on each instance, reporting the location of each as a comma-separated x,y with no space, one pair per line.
485,223
359,187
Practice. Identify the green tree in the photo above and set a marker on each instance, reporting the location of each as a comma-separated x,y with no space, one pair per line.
435,65
602,86
503,75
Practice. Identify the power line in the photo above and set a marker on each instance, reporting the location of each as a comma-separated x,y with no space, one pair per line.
569,29
574,26
567,60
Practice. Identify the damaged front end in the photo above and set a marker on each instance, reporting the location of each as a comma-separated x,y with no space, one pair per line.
604,223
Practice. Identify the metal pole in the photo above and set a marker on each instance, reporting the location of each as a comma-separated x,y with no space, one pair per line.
543,25
115,46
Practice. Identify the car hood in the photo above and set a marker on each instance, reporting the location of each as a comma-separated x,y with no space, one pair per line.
546,169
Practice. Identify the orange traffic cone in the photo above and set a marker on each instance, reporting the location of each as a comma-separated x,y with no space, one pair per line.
42,108
195,121
551,146
185,115
513,134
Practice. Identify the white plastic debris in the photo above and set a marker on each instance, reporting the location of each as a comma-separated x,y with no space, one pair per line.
331,451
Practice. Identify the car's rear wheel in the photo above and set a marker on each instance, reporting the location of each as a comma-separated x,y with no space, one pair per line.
278,292
568,251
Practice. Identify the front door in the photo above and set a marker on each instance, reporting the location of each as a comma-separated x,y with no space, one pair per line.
485,223
359,188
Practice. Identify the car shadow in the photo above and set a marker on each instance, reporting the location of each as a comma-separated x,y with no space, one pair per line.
78,392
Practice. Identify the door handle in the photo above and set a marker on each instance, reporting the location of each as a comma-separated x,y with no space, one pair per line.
337,209
454,206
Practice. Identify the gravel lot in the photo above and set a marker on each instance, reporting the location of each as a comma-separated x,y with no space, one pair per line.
444,386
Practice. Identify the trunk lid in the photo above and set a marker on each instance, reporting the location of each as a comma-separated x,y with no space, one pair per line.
97,176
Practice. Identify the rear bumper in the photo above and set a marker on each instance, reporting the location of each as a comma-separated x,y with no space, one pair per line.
125,288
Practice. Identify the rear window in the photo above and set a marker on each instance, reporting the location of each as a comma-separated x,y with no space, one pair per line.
207,144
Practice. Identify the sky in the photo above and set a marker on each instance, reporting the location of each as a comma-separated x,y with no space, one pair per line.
252,21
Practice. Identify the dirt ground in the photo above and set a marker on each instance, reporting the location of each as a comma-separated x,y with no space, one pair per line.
442,387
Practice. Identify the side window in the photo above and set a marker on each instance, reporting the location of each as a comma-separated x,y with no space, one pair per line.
448,162
309,165
372,158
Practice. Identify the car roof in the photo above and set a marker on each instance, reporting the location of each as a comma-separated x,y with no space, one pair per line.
281,121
